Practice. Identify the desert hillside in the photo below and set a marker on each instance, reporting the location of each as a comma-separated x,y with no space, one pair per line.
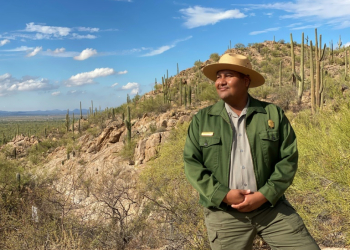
113,179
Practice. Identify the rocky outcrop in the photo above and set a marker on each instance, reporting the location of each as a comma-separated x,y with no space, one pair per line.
148,148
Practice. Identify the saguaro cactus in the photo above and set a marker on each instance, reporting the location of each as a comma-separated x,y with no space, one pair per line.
128,125
339,43
79,127
346,64
322,86
331,48
319,56
293,59
180,87
81,113
67,121
155,86
313,101
301,80
73,123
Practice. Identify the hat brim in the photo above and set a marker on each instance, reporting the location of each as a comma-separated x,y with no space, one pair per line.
211,70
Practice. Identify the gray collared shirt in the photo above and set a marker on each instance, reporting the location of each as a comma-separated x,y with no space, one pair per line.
242,174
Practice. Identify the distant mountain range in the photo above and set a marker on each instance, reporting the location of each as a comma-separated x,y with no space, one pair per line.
43,112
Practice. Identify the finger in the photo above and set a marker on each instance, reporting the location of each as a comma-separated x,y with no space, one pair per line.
238,207
245,192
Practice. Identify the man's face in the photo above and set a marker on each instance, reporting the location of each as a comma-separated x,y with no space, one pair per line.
230,84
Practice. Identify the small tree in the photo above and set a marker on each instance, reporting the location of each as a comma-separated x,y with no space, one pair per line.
215,57
239,46
198,64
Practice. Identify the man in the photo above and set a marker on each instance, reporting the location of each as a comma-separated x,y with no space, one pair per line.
241,155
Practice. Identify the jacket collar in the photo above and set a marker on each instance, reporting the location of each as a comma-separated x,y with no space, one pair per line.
254,106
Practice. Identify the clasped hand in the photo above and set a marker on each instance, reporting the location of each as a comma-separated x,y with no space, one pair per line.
244,200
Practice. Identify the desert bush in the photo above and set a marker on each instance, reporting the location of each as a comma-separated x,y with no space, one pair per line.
127,152
324,154
215,57
208,93
261,92
179,216
285,95
239,46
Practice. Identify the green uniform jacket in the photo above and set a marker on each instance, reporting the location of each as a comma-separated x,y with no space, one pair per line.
207,158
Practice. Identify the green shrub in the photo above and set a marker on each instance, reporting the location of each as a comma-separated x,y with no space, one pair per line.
166,187
94,131
285,96
239,46
215,57
128,151
261,92
208,93
324,153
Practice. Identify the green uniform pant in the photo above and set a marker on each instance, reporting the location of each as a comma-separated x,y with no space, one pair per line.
280,226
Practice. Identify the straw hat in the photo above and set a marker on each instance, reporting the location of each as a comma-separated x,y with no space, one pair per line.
237,63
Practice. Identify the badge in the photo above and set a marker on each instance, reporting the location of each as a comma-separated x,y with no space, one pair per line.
207,134
271,123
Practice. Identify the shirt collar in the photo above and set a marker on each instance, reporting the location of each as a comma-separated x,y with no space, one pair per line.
233,114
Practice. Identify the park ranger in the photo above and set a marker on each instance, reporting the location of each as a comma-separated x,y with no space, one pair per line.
241,155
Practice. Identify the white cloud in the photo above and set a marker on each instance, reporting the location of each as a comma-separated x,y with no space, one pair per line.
122,72
49,30
59,52
294,24
10,85
115,84
75,92
77,36
85,54
200,16
110,29
305,27
133,86
160,50
3,42
56,93
264,31
22,48
130,85
35,51
88,77
337,13
164,48
347,44
34,31
269,14
88,29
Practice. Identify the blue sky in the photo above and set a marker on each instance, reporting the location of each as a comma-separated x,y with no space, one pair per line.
54,54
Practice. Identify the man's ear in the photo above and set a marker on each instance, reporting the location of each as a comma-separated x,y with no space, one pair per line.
247,81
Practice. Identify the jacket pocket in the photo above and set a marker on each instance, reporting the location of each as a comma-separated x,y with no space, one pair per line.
270,146
212,235
211,149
